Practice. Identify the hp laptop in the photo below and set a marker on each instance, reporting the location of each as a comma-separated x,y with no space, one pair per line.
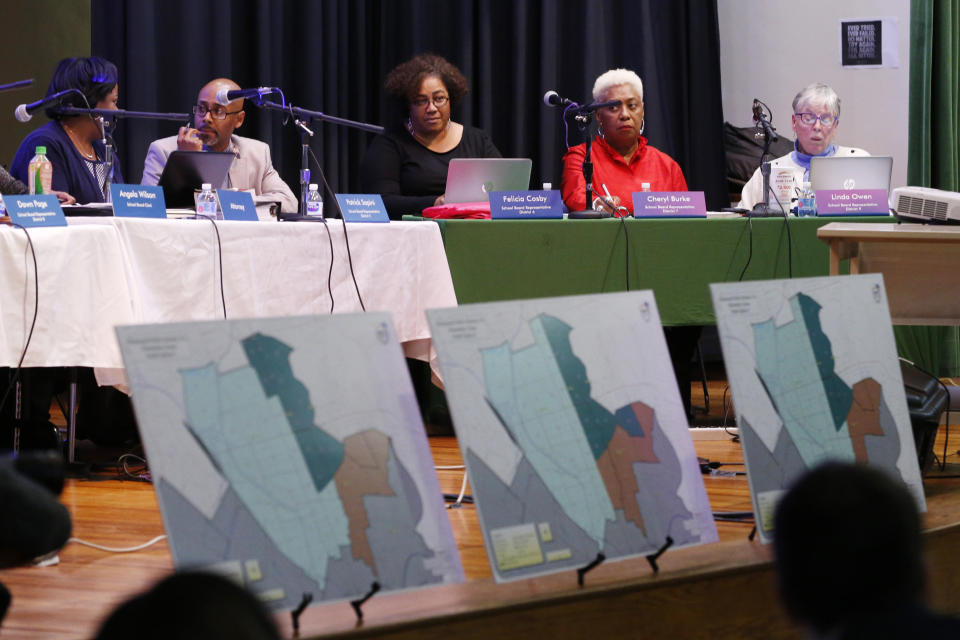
471,179
851,172
185,171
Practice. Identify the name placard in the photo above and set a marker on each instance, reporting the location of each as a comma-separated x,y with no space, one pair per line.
525,205
669,204
237,205
362,207
35,211
852,202
138,201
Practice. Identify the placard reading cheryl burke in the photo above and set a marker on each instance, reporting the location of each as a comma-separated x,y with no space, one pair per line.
669,204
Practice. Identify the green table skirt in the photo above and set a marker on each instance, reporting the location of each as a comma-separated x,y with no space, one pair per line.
506,259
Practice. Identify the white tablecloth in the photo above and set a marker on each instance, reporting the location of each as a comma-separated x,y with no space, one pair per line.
101,272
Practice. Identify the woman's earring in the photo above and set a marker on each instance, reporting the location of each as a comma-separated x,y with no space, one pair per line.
600,131
643,123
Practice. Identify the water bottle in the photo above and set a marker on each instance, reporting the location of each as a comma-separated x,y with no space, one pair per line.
40,173
314,202
807,205
206,202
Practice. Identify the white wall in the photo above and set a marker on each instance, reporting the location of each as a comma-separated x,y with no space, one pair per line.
770,49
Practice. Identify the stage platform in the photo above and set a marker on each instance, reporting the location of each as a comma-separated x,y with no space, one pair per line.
722,590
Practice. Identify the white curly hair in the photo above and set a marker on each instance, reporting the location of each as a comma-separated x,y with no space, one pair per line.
614,78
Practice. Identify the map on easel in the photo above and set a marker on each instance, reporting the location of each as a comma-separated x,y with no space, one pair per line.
572,429
289,453
814,375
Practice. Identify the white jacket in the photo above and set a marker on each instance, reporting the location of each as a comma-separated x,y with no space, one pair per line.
753,191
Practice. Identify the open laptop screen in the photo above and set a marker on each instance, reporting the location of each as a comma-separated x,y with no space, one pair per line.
851,172
185,171
471,179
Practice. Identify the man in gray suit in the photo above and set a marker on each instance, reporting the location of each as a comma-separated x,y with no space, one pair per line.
213,130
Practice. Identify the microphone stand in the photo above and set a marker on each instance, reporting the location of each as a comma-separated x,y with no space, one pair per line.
584,115
100,115
16,85
115,114
301,119
763,209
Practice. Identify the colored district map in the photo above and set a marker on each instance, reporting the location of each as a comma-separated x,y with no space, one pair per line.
823,417
590,480
311,512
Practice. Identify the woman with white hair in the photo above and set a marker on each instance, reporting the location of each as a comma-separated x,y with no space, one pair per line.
623,162
815,120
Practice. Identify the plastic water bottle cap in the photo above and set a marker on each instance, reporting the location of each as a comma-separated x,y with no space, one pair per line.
205,186
547,186
313,186
41,150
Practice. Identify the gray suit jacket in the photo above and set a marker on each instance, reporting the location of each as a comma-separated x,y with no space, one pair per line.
251,169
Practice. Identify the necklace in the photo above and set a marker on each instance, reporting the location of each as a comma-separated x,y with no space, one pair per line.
87,155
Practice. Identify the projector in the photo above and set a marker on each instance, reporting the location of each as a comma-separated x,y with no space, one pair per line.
923,204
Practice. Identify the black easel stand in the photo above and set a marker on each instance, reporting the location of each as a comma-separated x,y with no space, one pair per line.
753,533
652,559
763,209
582,571
295,614
357,604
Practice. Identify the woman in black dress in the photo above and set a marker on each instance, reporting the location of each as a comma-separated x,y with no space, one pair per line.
407,164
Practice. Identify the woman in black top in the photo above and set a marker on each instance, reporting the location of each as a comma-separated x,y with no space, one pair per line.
407,164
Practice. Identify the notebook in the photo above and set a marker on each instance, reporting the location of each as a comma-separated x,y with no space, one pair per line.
851,172
471,179
185,171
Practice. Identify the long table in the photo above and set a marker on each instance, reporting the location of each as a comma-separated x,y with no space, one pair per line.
677,258
97,273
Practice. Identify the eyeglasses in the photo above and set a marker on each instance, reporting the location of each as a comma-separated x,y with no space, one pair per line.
422,101
810,119
216,111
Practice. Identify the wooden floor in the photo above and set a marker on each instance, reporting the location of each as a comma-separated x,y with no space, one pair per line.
70,599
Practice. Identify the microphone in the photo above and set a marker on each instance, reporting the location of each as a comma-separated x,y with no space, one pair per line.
552,99
596,106
24,112
762,123
225,96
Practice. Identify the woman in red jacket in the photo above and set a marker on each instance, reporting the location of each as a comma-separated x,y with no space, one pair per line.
623,162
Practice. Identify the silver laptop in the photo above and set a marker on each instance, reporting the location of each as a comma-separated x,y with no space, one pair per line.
471,179
851,172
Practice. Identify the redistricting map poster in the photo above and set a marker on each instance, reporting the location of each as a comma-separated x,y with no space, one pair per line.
572,429
813,370
290,454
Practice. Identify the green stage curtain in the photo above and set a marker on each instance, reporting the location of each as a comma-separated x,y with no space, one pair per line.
933,158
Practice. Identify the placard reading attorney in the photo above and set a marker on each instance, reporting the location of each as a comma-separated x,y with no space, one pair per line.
852,202
138,201
362,207
237,205
669,204
525,205
35,211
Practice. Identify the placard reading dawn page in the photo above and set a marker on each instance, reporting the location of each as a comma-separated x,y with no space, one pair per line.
814,374
572,429
290,453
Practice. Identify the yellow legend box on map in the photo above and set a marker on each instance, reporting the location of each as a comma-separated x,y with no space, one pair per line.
516,547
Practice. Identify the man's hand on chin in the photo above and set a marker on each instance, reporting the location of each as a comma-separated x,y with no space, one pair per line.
188,139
